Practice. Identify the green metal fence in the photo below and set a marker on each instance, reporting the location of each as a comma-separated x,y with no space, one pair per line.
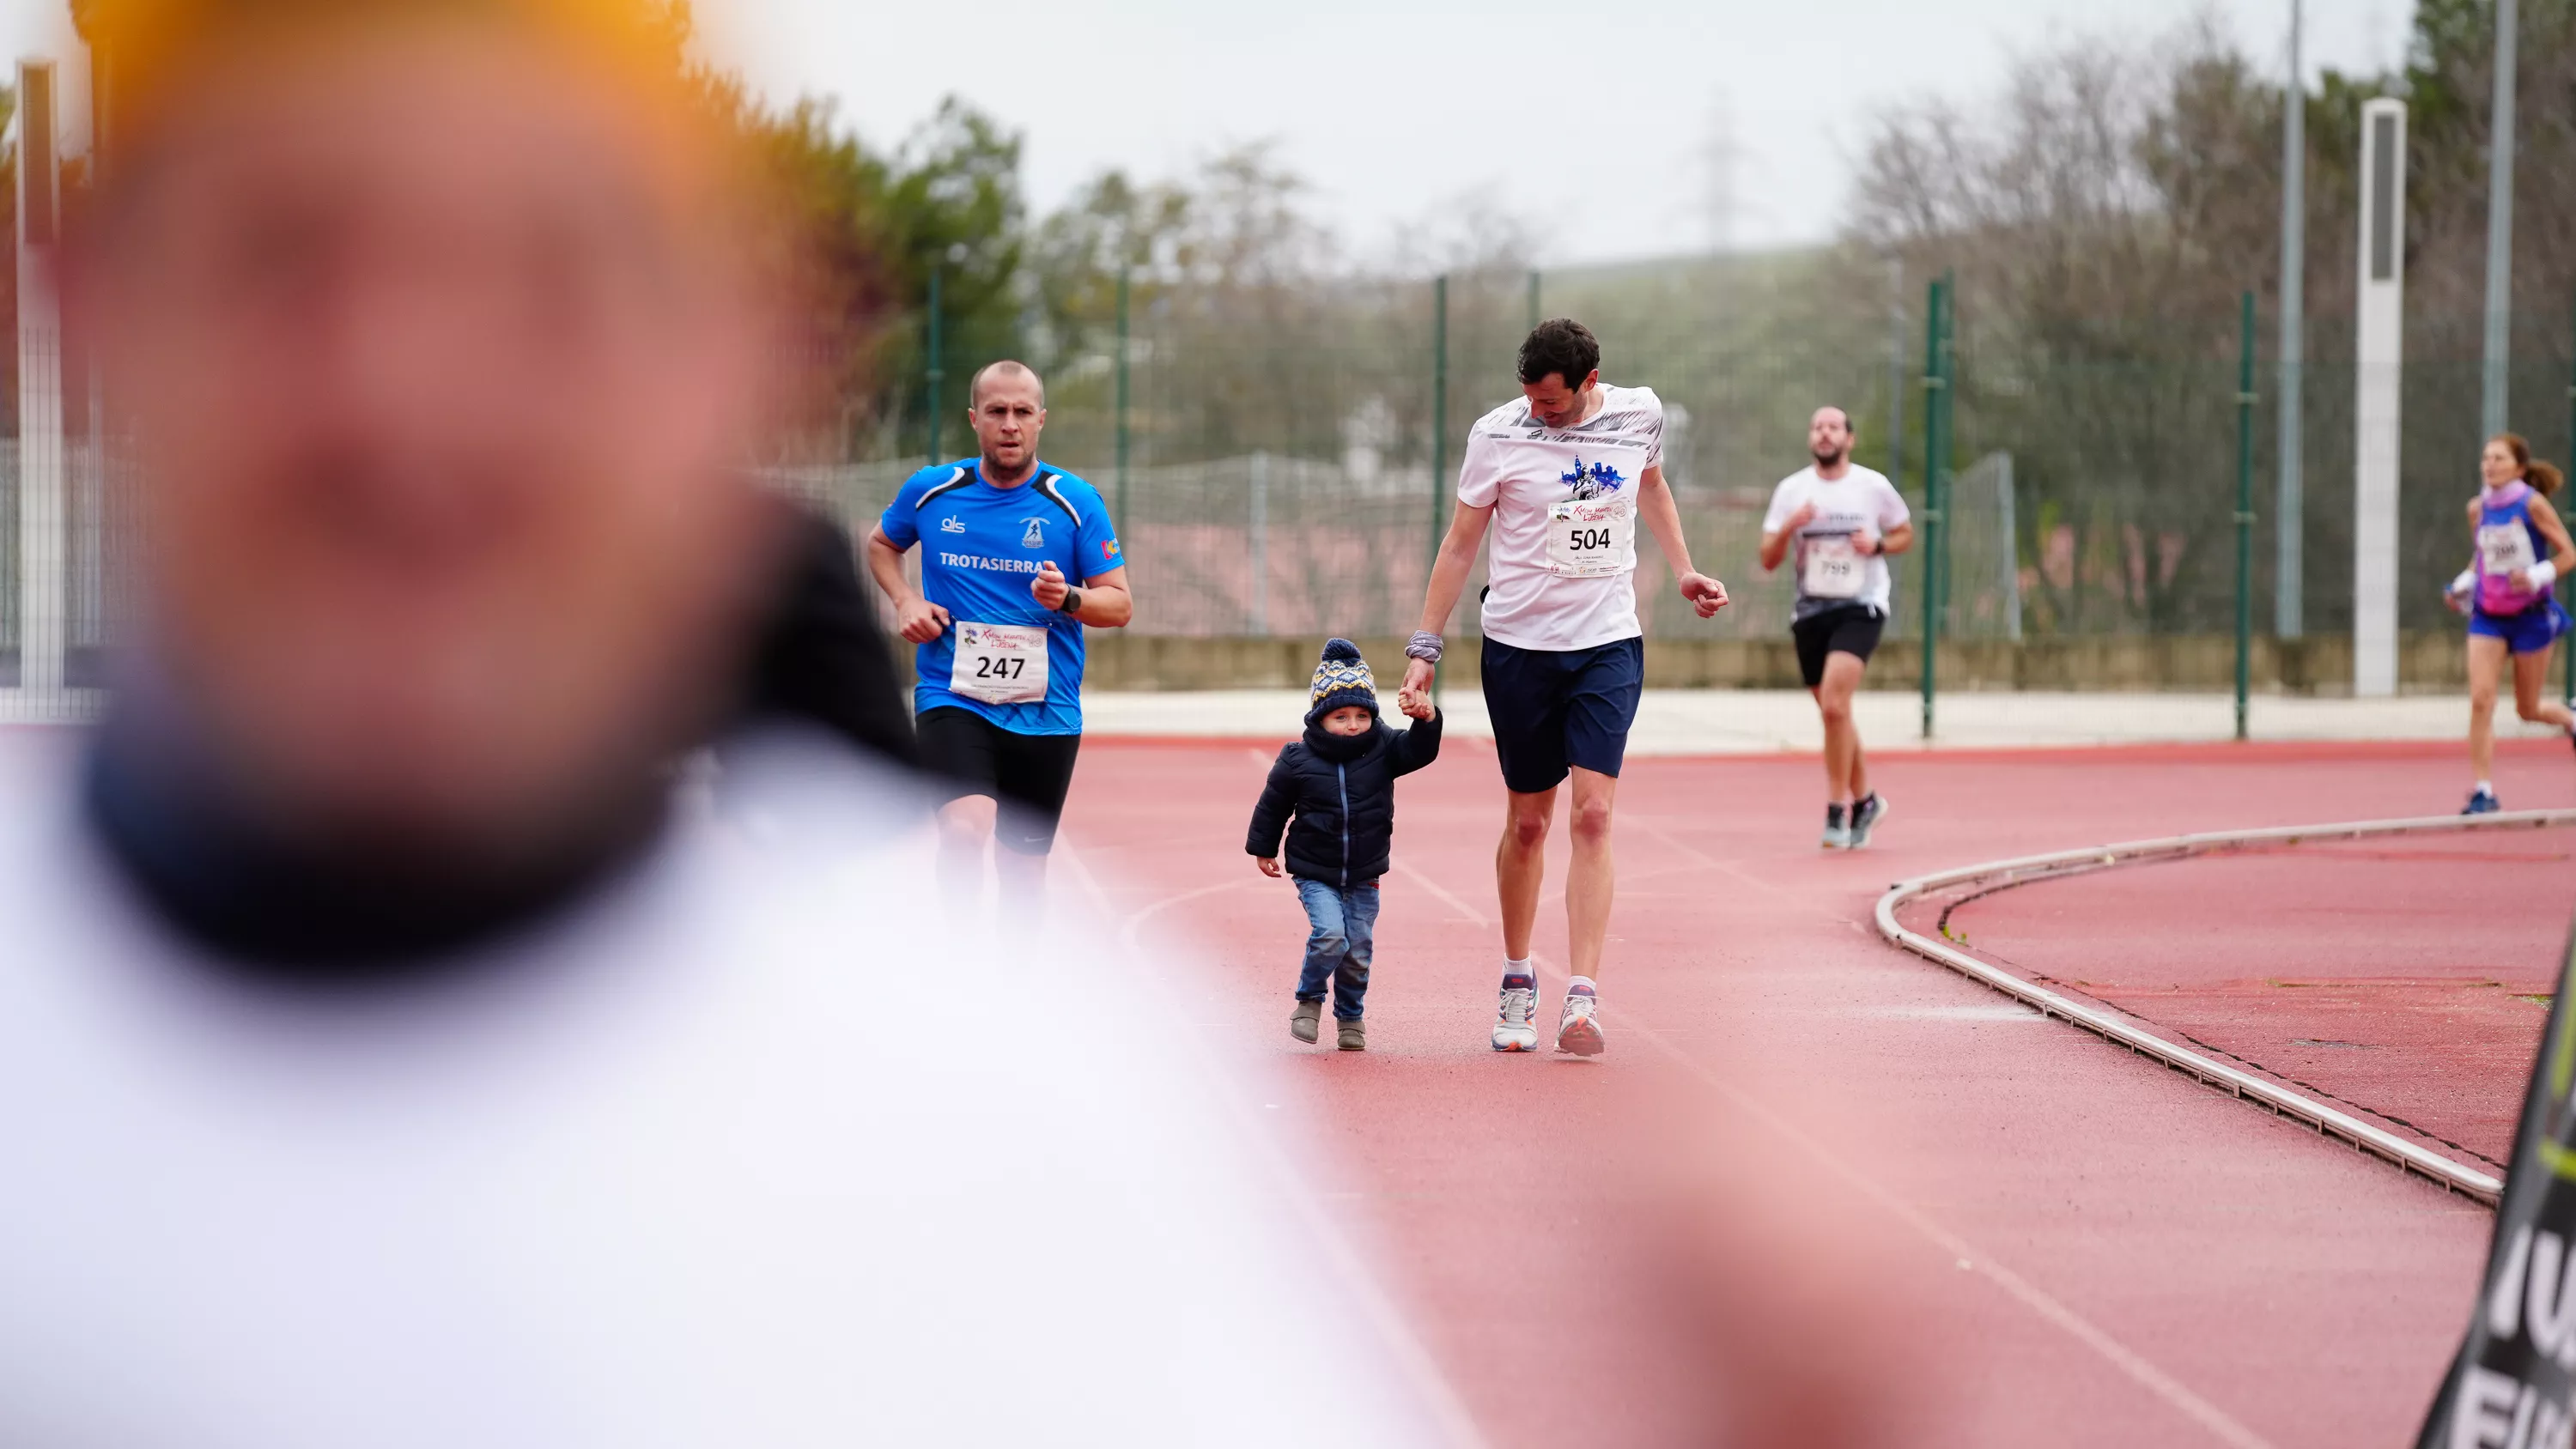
1274,448
1280,459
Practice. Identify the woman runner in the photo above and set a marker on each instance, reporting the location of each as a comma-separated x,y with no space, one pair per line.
2506,593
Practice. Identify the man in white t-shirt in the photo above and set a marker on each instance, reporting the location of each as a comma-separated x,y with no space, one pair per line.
1842,521
1562,477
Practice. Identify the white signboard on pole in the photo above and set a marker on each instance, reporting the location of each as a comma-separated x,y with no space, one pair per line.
2379,357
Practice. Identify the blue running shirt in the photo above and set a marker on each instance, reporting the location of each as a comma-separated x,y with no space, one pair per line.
981,549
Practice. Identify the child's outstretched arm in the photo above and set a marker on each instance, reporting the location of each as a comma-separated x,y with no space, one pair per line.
1270,813
1419,745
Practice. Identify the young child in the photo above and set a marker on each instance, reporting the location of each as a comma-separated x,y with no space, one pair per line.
1334,794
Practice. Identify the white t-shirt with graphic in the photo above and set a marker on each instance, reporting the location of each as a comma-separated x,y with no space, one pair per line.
1829,573
1565,519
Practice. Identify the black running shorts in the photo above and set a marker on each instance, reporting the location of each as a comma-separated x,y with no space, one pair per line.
1851,629
1556,709
1026,775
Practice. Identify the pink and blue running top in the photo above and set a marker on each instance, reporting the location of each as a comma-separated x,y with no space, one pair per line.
2508,542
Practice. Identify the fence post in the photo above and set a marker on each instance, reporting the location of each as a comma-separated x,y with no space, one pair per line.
1896,368
933,373
1260,545
1935,384
2245,400
1439,415
1122,519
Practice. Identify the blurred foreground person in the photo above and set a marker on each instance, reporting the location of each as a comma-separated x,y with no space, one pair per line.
381,1061
822,660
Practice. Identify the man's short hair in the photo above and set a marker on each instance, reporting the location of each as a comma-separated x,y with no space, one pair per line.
1003,368
1848,425
1562,347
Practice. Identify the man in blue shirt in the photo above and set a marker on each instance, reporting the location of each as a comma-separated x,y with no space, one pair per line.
998,619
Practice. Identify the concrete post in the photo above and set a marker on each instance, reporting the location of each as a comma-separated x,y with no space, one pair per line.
2379,371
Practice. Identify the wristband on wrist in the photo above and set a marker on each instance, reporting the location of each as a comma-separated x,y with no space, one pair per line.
2544,573
1072,602
1425,646
2467,580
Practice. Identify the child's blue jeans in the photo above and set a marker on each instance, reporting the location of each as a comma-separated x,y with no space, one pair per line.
1344,930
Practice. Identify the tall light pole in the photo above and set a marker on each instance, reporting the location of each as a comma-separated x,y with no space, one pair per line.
2286,511
2492,399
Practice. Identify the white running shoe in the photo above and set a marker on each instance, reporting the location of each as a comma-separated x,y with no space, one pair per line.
1578,1028
1516,1027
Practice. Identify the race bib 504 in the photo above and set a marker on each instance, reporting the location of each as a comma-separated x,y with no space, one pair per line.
1590,538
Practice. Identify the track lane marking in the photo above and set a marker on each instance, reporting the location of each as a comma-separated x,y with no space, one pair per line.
2120,1356
2125,1360
1415,1364
2120,1029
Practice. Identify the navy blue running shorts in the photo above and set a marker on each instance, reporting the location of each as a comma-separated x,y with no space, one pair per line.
1556,709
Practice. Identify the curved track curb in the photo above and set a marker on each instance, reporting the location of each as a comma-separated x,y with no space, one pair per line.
2120,1031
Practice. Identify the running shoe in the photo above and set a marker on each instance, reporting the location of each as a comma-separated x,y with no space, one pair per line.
1837,834
1303,1022
1354,1035
2482,802
1514,1029
1578,1028
1867,813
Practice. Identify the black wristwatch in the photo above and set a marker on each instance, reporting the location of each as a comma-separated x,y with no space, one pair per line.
1072,602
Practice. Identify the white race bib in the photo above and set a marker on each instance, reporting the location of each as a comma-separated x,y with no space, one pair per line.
1000,663
1832,568
2505,548
1590,538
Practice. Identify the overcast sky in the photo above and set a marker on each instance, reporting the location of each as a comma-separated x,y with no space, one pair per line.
1595,126
1593,123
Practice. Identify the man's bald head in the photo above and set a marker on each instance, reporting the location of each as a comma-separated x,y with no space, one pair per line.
1005,371
1008,410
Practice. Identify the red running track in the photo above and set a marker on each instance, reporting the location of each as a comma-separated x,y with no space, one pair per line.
1814,1176
2406,977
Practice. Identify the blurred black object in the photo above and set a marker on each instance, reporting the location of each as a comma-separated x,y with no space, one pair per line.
821,658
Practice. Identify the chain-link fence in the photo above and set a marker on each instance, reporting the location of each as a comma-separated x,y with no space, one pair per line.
1281,464
1279,474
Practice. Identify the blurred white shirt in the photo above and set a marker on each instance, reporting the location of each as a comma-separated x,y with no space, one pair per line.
751,1149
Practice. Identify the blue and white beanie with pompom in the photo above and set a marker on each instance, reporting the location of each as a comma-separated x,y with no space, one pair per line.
1342,678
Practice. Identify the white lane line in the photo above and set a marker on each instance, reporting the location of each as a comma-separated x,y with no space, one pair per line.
1414,1361
2119,1355
2002,1011
1441,894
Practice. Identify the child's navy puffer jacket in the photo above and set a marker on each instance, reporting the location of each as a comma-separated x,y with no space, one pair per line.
1340,789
